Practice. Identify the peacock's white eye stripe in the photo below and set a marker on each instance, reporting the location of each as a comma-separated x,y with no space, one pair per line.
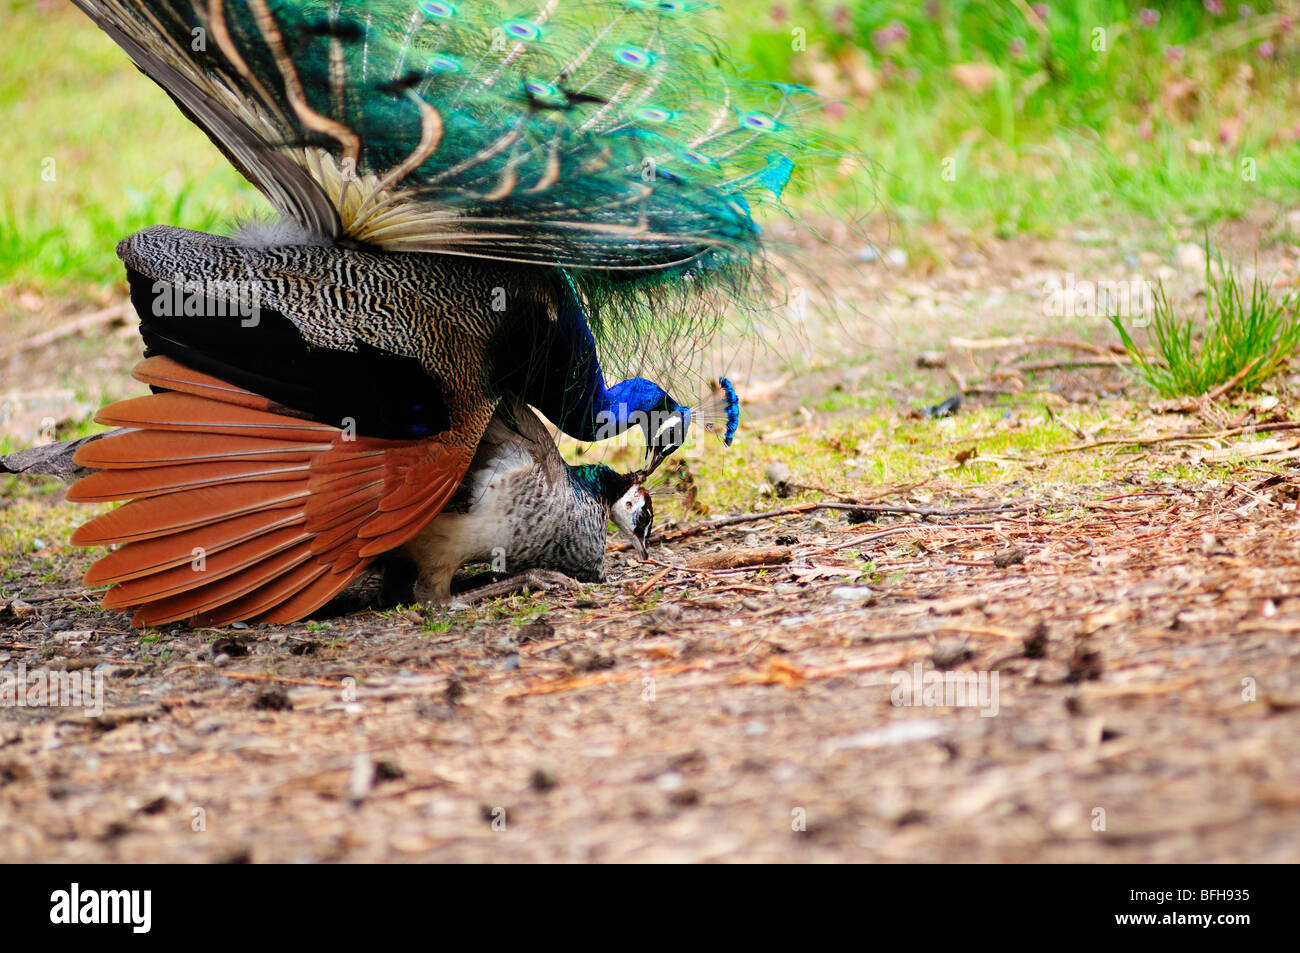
675,421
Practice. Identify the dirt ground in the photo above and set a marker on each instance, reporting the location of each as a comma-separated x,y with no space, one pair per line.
1135,637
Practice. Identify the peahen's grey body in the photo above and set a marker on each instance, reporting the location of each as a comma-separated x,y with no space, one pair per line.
519,508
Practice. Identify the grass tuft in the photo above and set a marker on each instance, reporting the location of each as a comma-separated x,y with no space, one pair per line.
1243,339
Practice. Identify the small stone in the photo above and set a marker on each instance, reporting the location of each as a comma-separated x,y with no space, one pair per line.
1189,256
777,474
539,630
60,625
896,258
1012,556
273,699
851,593
666,614
868,254
21,610
543,780
583,658
220,659
1098,237
687,797
1036,641
669,781
950,652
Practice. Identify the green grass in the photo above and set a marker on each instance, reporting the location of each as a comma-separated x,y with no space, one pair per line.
1072,126
1242,337
93,152
1065,132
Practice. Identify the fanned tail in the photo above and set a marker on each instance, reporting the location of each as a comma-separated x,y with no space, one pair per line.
599,136
237,512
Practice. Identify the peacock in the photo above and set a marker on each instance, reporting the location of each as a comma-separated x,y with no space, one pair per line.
473,200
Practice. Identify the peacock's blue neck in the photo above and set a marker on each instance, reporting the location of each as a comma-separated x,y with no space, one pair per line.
559,373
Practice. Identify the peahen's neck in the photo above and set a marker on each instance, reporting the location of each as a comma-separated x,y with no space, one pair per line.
599,481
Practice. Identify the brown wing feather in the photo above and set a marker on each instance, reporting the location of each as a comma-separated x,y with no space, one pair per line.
237,511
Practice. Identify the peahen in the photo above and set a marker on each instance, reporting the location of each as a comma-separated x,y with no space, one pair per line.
521,508
471,198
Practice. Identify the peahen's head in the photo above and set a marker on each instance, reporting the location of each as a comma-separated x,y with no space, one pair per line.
624,497
665,421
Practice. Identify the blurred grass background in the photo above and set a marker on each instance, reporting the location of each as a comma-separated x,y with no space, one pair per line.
1000,117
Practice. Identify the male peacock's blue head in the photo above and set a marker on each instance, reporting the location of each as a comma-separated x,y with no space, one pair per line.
665,421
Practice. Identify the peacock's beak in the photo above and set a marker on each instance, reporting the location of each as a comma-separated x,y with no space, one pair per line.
656,454
670,435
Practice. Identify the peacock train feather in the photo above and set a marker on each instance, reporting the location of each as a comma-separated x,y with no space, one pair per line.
602,137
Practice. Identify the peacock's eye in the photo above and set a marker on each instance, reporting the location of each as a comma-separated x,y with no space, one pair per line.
541,89
444,64
758,121
632,56
440,10
522,29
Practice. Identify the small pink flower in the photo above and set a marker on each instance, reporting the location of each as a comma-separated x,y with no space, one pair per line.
1245,12
1148,17
842,20
779,13
1174,53
932,9
887,36
1017,47
1265,50
1215,7
1040,11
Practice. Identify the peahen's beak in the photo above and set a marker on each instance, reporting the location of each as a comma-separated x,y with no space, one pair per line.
641,531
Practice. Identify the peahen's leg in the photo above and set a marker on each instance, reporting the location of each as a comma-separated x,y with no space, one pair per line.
536,580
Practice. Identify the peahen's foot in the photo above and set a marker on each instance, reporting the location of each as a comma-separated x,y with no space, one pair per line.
537,580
